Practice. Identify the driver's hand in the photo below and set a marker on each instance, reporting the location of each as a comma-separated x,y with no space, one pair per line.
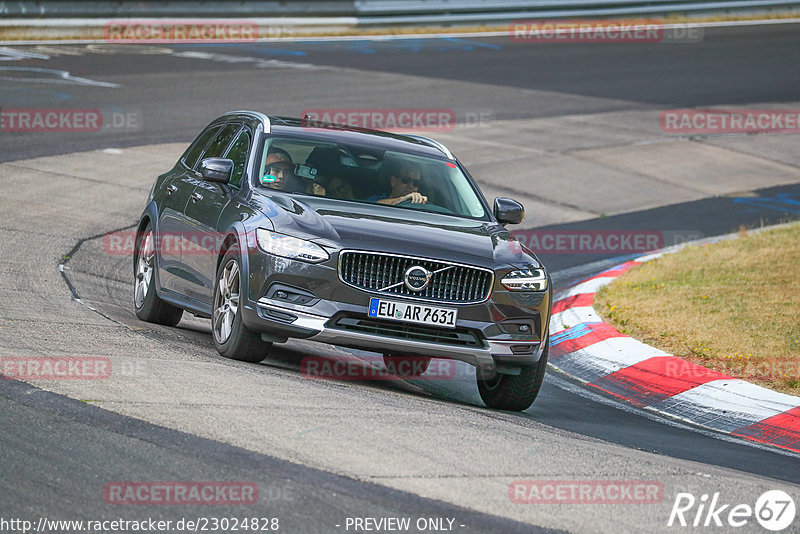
415,198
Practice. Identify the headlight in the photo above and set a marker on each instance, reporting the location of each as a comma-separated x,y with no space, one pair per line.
525,280
287,246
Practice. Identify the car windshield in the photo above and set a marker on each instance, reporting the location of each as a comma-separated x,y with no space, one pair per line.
368,174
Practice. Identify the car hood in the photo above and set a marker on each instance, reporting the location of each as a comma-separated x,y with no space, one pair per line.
337,224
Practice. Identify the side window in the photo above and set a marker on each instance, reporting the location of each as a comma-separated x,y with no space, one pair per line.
217,147
192,154
238,153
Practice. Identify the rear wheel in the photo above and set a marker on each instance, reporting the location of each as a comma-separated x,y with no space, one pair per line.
514,392
231,337
149,307
406,366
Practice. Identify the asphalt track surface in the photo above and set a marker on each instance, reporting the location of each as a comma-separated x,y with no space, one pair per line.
729,66
58,452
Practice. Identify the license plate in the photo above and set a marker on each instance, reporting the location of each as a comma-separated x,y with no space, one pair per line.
412,313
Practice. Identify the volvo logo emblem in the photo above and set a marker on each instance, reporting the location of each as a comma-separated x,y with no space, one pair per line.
417,278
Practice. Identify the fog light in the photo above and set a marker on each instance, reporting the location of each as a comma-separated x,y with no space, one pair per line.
291,295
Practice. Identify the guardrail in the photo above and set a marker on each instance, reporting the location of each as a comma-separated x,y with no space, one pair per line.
176,8
375,11
87,21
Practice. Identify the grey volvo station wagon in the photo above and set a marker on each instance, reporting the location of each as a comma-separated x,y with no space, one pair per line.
277,228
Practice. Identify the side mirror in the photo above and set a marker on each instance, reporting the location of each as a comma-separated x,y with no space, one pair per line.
216,170
508,211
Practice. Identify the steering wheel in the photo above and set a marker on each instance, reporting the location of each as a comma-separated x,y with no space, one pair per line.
424,207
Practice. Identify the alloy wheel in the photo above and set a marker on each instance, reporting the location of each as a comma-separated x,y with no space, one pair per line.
226,301
144,269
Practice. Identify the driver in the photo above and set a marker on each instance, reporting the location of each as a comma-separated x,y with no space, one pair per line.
405,180
278,169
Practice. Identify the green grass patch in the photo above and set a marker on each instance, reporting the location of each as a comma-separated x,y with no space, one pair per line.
733,306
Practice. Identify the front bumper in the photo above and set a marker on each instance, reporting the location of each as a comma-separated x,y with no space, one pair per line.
489,356
482,337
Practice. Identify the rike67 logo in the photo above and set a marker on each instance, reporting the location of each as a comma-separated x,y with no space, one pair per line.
774,510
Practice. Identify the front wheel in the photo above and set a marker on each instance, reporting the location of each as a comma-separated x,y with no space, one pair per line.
514,392
231,337
149,307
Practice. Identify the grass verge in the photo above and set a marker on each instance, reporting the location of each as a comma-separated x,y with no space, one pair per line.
733,306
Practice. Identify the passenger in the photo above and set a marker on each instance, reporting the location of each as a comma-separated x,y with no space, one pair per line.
340,188
405,180
329,181
278,169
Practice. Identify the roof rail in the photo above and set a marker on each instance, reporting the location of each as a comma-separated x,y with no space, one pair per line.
436,144
260,116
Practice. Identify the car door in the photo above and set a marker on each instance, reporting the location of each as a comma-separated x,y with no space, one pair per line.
203,239
177,190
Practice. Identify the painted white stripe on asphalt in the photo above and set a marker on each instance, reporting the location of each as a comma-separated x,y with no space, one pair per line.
588,394
727,404
42,75
254,61
9,54
739,394
606,357
589,286
572,316
622,352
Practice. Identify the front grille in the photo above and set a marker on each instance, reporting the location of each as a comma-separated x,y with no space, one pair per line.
383,274
461,337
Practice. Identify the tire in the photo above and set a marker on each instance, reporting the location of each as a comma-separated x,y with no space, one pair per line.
149,307
514,392
406,366
231,337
